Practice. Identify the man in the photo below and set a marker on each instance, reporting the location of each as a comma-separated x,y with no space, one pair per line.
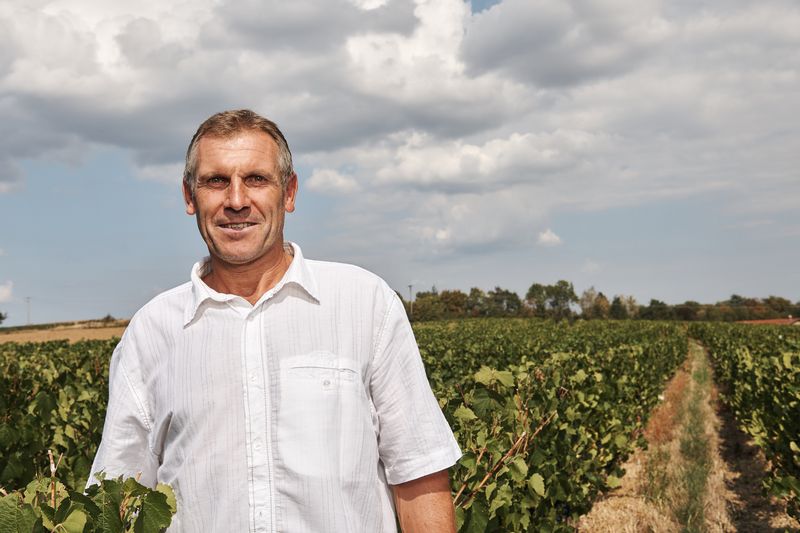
272,392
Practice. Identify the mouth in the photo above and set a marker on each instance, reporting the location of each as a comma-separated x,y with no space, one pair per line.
237,226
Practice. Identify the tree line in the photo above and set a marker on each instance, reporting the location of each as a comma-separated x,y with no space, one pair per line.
560,301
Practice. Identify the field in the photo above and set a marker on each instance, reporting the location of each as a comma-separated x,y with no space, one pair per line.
549,415
71,332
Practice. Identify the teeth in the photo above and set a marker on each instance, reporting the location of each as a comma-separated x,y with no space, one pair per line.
241,225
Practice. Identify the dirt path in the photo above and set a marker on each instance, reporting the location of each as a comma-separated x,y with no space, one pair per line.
654,495
748,509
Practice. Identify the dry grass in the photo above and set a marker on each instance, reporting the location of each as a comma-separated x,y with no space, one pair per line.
633,507
717,494
689,481
69,333
655,488
627,514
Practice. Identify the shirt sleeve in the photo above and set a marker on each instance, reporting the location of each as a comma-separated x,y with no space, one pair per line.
124,449
414,437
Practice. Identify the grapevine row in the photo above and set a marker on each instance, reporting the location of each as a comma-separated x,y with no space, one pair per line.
758,369
545,412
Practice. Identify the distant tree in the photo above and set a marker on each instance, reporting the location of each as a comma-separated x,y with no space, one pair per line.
536,298
780,306
601,307
476,302
689,310
586,302
719,312
631,306
425,294
736,300
503,302
406,303
428,306
559,298
656,310
454,303
618,309
2,317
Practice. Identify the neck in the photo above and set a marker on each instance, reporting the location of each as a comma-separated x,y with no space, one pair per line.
251,280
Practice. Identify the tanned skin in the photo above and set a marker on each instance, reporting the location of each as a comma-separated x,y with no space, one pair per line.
425,505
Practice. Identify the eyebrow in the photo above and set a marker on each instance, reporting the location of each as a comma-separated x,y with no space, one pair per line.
256,172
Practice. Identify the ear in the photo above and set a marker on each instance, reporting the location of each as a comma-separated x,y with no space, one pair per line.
188,197
290,194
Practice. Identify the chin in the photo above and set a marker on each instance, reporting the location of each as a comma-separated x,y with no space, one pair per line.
237,259
234,258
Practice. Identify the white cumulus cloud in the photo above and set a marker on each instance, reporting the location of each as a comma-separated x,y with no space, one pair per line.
463,129
330,181
6,291
548,238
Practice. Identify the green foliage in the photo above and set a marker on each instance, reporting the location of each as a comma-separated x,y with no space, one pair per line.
52,397
503,302
618,311
112,506
758,368
545,412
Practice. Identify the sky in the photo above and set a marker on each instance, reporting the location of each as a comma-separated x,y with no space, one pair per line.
647,148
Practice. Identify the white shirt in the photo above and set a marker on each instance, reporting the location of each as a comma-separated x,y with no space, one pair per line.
293,414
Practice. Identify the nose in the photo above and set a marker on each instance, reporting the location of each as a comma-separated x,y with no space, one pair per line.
237,194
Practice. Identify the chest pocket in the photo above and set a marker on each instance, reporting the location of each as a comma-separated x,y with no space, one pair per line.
322,370
325,427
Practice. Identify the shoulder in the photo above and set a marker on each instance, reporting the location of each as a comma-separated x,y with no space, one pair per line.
344,274
164,309
331,271
150,332
346,280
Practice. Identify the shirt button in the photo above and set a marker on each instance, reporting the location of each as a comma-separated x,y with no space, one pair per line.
327,382
257,445
253,378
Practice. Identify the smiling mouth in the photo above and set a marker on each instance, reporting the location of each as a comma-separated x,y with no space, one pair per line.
238,225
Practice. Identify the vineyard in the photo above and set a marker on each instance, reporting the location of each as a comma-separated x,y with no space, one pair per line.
759,370
545,412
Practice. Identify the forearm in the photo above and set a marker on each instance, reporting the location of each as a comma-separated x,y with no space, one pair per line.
425,505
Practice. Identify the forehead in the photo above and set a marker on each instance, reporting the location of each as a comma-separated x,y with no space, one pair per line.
246,148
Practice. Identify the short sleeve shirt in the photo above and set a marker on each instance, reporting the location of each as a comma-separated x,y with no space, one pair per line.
294,414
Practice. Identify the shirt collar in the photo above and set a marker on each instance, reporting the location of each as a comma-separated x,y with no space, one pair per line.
298,273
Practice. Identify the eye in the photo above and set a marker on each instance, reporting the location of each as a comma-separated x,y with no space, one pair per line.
216,182
258,180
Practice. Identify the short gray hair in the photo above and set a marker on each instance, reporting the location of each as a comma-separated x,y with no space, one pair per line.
229,124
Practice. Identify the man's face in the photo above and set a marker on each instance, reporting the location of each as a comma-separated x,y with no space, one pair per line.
239,200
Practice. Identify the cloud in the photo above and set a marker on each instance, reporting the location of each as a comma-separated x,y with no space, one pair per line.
422,162
548,238
560,43
10,175
326,180
171,173
461,129
6,291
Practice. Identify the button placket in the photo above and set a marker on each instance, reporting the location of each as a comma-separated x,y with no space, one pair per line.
258,407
